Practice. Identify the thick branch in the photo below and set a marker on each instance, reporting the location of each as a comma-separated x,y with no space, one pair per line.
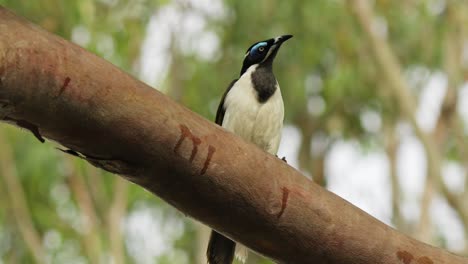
119,124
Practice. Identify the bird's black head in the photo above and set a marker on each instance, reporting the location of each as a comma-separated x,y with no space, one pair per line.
263,52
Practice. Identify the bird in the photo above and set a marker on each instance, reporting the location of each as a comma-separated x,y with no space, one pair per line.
252,108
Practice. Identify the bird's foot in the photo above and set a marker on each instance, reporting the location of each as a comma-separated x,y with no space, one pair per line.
283,158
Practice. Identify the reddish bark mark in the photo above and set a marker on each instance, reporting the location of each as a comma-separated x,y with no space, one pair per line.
27,125
284,201
181,138
196,141
424,260
185,133
405,257
211,151
65,85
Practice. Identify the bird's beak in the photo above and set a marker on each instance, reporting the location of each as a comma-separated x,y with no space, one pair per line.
281,39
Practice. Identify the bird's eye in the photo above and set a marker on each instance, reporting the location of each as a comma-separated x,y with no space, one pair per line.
258,48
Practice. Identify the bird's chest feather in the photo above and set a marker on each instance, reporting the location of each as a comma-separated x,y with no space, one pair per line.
254,121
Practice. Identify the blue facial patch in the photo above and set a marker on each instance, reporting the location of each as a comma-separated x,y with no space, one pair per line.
258,45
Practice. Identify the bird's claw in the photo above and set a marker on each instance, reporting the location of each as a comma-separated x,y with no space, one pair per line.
283,158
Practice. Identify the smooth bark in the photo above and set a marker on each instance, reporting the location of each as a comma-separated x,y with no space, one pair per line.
60,92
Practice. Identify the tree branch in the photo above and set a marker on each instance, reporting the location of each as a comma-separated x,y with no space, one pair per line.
391,146
121,125
391,69
19,205
116,215
89,220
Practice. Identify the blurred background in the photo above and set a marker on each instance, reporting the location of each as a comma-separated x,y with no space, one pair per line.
376,103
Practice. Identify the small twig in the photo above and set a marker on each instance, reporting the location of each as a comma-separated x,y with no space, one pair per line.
89,219
115,218
392,71
17,198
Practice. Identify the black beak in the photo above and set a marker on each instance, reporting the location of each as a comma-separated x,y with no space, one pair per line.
281,39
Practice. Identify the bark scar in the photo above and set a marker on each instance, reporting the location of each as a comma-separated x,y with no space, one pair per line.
284,201
185,133
405,257
211,151
65,85
26,125
109,164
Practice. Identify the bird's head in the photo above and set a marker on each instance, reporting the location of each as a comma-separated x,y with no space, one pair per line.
263,52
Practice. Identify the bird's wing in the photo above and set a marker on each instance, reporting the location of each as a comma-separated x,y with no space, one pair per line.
221,109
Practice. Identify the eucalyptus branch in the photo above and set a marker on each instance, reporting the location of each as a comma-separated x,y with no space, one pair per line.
61,92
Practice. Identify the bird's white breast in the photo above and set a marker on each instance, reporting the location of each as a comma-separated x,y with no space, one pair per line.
259,123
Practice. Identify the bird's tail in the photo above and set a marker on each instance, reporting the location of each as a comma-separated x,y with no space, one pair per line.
220,249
